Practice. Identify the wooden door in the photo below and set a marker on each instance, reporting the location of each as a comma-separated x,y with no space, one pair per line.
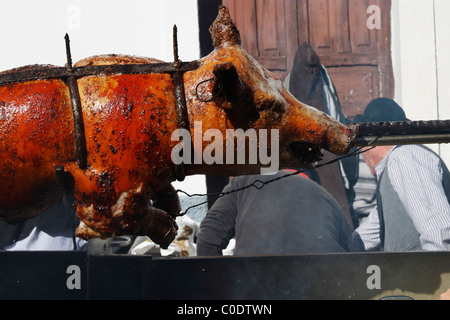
357,57
268,30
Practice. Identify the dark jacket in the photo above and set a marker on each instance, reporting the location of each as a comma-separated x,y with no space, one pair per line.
307,82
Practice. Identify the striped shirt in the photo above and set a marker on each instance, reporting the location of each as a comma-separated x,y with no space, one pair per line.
365,191
416,174
52,230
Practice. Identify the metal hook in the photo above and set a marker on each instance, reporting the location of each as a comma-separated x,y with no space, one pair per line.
176,59
219,92
68,53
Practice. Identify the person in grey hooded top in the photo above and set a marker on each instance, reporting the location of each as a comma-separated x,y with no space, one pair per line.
289,216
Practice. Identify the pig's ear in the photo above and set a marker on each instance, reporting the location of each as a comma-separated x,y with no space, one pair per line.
229,85
223,30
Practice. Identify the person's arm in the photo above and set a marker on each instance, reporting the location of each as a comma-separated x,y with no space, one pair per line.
417,179
367,236
217,228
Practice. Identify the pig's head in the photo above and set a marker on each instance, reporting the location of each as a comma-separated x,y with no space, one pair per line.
232,90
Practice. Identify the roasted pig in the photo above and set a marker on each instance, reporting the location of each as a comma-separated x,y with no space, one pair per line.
128,119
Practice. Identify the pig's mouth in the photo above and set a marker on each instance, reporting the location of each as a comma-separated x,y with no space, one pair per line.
307,153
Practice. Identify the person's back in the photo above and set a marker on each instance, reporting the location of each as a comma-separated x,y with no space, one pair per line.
289,216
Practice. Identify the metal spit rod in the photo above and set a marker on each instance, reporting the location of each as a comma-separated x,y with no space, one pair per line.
403,133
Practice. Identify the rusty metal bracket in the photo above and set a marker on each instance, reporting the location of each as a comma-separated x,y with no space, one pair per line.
180,100
77,111
52,72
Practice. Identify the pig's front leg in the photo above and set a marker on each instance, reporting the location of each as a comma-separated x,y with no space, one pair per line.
106,212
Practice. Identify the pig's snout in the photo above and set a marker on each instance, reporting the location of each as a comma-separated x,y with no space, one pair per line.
308,131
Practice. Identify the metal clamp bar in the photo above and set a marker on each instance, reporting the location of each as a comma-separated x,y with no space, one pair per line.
180,100
52,72
77,111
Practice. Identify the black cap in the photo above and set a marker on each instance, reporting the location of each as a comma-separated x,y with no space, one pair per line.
381,110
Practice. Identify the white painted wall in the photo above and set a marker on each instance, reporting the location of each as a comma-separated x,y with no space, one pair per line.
32,32
421,60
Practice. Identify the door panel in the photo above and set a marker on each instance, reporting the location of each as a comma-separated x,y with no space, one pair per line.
355,84
268,30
